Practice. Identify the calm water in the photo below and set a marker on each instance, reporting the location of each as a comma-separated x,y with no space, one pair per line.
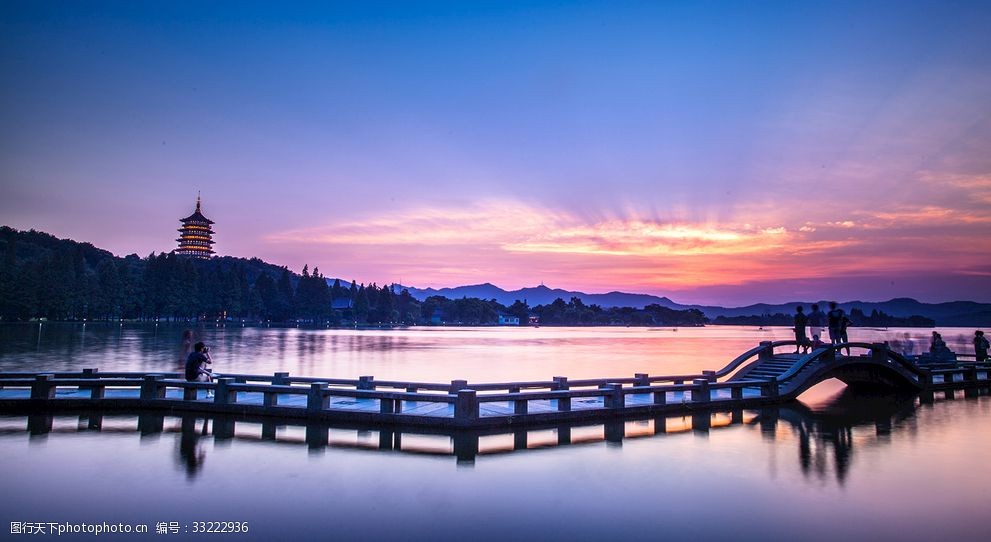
835,465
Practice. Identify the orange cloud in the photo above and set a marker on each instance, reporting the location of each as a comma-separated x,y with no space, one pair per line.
516,244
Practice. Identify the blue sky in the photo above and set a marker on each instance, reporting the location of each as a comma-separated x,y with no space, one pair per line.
710,151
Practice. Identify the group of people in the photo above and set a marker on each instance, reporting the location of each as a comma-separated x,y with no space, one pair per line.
939,351
836,321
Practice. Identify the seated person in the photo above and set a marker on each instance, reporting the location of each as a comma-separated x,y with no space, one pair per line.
197,363
938,351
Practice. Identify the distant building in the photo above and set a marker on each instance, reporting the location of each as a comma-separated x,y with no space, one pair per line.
508,320
195,236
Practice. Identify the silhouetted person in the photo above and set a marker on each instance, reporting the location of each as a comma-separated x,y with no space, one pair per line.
816,321
800,338
817,342
938,348
197,364
844,325
980,346
834,317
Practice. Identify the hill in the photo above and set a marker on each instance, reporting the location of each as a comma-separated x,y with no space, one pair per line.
542,295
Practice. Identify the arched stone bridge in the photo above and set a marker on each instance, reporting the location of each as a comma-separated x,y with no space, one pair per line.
855,364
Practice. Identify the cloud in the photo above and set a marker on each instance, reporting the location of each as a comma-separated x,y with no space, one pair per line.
518,227
514,243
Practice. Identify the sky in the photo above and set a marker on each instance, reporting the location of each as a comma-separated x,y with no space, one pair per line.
712,152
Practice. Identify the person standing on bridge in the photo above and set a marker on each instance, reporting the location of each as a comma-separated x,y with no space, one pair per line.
844,325
834,317
816,320
802,342
981,346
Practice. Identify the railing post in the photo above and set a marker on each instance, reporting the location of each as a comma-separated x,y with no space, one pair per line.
520,406
879,352
660,397
736,393
641,379
225,395
457,385
42,387
561,384
190,394
770,388
466,406
366,383
316,399
767,352
280,379
700,394
612,396
151,388
925,379
387,405
96,391
709,375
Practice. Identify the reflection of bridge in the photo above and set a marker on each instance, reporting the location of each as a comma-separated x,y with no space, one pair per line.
760,377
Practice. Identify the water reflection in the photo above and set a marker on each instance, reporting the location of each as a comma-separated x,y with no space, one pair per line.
192,452
825,434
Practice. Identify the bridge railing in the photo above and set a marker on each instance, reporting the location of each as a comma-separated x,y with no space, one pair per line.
879,352
400,399
154,390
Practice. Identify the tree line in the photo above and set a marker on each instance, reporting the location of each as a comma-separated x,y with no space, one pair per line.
42,276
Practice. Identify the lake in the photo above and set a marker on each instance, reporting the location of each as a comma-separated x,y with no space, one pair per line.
836,464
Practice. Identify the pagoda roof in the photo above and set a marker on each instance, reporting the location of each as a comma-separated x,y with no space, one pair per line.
197,216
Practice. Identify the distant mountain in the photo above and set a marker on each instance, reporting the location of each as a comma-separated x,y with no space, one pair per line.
954,313
542,295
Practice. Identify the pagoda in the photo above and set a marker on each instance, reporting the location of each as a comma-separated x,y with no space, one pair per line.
195,236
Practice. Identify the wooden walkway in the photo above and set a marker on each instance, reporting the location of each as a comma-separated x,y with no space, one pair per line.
765,375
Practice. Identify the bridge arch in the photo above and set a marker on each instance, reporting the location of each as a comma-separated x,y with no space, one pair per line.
873,365
857,373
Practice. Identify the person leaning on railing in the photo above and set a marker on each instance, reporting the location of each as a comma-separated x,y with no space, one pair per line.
197,364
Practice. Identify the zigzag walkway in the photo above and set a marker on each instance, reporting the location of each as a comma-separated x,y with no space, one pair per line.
759,377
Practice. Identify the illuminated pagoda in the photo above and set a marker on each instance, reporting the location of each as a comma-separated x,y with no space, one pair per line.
195,236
